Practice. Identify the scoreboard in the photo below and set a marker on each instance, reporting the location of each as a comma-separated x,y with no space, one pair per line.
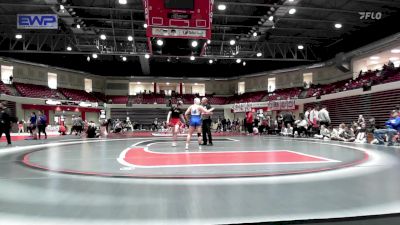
186,19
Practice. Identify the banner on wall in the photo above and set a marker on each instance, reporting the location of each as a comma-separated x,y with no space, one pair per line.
271,105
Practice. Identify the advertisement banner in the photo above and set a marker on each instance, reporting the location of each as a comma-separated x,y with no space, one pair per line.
272,105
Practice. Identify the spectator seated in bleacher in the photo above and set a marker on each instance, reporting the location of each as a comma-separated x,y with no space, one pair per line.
392,128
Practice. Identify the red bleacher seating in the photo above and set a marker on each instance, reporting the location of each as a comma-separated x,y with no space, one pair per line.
37,91
100,96
4,89
77,95
117,99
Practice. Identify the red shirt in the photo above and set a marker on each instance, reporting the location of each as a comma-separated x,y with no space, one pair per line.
249,117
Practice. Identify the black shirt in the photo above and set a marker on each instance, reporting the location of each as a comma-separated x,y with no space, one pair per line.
5,118
208,107
175,112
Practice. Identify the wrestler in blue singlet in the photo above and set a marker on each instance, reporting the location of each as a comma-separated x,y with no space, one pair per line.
195,117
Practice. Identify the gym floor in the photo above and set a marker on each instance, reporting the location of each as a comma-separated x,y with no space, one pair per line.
244,179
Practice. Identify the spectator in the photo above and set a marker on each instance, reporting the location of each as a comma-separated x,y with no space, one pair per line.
32,125
62,129
361,120
223,122
301,126
249,122
347,135
154,125
91,130
41,124
228,124
392,128
314,119
325,133
287,131
362,135
129,125
21,126
323,117
288,119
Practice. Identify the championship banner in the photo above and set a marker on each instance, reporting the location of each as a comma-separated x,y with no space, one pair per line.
283,105
242,107
272,105
275,105
291,104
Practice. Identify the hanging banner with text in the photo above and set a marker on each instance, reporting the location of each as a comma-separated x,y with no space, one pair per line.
272,105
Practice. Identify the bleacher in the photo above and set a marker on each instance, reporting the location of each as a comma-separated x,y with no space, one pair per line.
283,94
367,78
117,99
37,91
347,110
4,89
247,97
77,95
100,96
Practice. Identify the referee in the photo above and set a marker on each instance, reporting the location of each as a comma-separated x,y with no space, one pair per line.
206,125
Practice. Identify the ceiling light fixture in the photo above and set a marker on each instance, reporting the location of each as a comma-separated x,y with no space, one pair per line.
160,42
395,51
292,11
221,7
194,44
